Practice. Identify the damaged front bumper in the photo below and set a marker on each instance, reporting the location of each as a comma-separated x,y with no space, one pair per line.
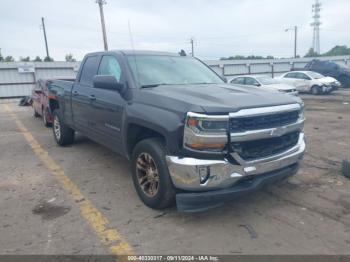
226,180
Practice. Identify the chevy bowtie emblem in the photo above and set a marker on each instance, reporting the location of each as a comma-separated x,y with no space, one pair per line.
276,132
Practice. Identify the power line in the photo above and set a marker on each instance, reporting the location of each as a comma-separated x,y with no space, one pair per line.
101,3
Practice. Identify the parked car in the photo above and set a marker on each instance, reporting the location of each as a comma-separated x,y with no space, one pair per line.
332,69
190,137
265,82
40,98
310,82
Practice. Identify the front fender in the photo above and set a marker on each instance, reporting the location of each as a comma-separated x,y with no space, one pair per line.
167,123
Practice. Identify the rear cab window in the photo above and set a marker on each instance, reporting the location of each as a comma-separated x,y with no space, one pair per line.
89,70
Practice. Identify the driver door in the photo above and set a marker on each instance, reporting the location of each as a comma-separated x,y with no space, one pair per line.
107,106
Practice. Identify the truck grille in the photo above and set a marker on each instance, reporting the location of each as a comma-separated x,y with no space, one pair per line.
263,121
250,150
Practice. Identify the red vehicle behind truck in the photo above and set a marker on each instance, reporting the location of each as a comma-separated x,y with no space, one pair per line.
40,97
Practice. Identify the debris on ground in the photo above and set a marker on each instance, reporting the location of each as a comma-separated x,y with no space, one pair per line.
50,211
160,215
251,231
25,101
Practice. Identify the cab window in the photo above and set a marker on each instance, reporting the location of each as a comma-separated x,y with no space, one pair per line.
251,81
238,80
110,66
89,70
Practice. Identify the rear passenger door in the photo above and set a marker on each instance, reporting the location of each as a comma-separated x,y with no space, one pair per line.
107,107
81,93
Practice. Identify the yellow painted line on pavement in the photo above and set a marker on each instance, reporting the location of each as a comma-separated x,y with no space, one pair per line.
108,236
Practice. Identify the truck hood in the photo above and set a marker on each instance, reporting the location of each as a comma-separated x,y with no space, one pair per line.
216,98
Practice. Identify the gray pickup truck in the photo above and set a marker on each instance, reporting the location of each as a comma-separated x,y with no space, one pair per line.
190,137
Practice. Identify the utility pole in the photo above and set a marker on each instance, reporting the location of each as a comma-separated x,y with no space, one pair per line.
295,40
295,29
44,30
101,3
192,46
316,8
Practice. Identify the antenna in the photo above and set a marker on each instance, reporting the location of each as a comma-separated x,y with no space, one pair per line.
134,54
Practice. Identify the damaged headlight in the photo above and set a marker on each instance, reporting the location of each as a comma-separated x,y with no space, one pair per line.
205,132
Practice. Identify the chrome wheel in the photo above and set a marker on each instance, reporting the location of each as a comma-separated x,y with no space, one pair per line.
147,174
57,128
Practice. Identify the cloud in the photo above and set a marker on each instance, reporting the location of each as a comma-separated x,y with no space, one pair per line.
220,28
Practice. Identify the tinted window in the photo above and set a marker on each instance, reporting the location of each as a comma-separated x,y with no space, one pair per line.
170,70
238,80
110,66
302,76
251,81
89,70
290,75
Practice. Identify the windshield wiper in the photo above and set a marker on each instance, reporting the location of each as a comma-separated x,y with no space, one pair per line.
154,85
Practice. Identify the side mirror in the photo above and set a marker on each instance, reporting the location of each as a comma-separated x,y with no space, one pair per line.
257,84
224,79
107,82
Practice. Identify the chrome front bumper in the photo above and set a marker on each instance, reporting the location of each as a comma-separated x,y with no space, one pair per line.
184,172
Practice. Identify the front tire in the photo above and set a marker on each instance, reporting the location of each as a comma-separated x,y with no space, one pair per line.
150,174
315,90
345,81
63,134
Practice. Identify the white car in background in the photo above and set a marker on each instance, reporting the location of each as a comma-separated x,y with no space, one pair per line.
310,82
265,82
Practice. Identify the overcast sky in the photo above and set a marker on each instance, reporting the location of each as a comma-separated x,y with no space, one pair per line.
219,27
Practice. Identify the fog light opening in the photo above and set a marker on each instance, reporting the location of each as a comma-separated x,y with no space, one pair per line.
204,173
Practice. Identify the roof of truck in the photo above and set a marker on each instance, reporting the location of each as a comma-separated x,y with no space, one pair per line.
136,52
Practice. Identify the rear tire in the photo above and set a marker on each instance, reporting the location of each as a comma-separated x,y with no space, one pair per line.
35,112
63,134
315,90
148,164
45,115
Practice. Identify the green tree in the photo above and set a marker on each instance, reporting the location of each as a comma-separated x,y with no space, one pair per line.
48,59
311,53
1,57
24,59
70,58
37,59
9,59
338,50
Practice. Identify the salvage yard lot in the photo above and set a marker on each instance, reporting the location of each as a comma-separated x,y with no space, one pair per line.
71,200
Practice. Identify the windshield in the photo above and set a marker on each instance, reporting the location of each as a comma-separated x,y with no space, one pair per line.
265,80
153,70
315,75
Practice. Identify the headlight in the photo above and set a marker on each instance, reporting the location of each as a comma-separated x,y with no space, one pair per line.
205,132
301,112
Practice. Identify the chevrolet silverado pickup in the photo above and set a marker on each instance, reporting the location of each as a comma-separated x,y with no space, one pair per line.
190,138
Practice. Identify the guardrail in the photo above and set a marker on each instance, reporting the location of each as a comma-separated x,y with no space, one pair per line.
17,79
271,67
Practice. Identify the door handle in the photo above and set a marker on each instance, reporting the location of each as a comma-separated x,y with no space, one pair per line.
75,93
92,97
